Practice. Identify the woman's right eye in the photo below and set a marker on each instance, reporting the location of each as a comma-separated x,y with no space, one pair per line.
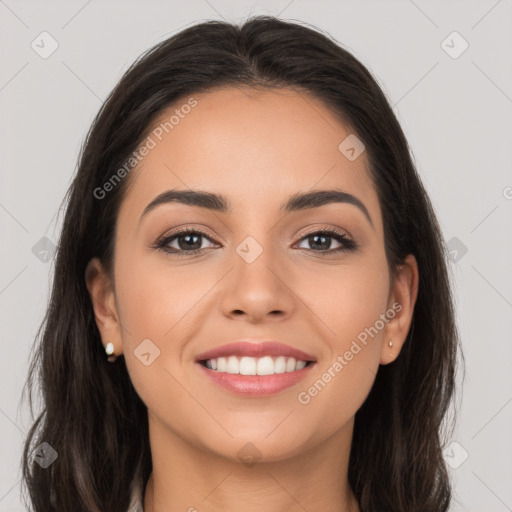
186,241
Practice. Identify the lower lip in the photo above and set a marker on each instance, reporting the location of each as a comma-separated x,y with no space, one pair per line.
256,385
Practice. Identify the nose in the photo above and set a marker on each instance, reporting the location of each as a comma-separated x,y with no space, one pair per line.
258,290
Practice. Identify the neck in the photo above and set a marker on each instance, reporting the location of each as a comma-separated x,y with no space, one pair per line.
187,478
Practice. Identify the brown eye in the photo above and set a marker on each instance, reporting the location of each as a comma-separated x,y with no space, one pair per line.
189,241
186,241
322,241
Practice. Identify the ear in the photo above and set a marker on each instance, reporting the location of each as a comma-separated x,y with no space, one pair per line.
102,296
402,300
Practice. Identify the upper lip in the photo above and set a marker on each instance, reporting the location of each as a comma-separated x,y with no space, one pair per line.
255,349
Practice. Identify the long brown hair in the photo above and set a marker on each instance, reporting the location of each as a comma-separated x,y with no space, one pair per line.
92,415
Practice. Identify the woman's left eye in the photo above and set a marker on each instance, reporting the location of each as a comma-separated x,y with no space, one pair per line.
189,242
323,241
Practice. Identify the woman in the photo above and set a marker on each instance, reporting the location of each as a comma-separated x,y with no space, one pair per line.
251,307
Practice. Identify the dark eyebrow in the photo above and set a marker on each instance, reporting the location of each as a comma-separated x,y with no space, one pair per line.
321,197
207,200
219,203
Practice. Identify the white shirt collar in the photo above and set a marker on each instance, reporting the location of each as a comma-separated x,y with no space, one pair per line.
136,497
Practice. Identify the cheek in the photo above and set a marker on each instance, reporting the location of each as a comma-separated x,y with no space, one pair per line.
155,298
345,300
339,388
360,323
162,303
350,304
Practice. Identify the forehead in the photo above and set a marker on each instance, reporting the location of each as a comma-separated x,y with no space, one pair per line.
252,146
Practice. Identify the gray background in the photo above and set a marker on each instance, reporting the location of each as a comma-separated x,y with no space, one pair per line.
456,113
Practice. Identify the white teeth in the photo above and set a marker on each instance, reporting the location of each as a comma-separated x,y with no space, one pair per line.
280,364
265,365
233,365
300,365
221,364
245,365
290,364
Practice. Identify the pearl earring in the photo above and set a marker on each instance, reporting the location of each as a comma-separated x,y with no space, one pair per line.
390,343
109,349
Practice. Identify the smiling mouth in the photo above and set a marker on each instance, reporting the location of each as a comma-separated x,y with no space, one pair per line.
246,365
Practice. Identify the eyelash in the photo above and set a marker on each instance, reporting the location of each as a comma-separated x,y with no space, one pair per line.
348,244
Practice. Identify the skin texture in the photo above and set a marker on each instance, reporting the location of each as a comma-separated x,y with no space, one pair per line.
256,148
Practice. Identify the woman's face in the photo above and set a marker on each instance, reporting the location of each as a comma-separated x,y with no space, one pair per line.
260,274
